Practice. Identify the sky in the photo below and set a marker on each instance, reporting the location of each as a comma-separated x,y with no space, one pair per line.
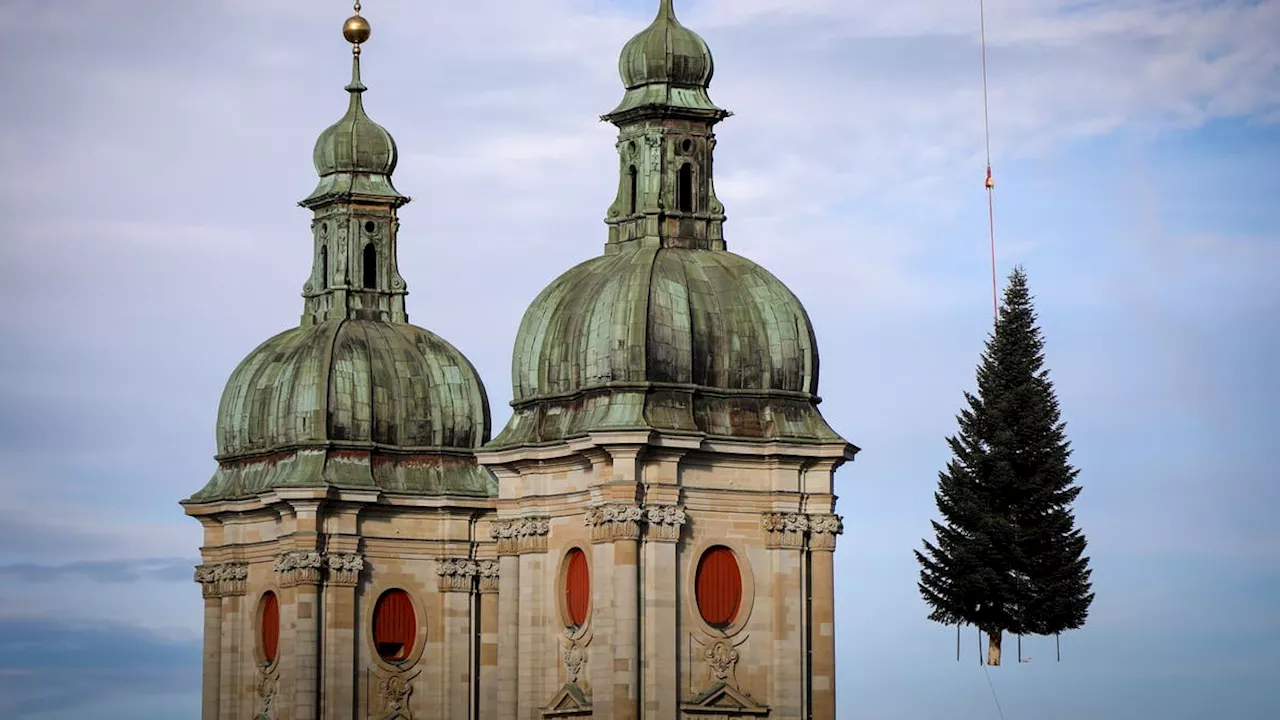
153,154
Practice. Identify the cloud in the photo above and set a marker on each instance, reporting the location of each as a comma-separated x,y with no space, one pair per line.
47,666
107,571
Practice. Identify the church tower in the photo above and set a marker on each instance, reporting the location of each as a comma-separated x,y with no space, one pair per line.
346,561
665,506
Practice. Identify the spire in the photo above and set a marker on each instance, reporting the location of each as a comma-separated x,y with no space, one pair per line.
356,30
666,195
354,156
354,269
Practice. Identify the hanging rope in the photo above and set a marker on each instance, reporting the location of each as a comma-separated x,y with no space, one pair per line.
993,692
990,181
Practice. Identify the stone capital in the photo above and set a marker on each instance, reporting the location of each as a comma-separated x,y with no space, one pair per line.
614,521
455,574
521,535
344,569
790,530
299,567
665,521
488,573
786,530
222,579
823,530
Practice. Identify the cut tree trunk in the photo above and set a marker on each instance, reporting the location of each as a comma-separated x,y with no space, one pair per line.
993,647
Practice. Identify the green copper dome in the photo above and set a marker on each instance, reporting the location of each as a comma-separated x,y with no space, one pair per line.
666,52
674,339
344,387
666,64
354,155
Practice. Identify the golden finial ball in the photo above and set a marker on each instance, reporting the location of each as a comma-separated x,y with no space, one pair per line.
356,30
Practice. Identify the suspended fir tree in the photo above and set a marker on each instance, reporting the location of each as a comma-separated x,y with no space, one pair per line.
1008,557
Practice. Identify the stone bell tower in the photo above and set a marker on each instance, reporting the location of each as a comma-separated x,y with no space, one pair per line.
666,499
347,569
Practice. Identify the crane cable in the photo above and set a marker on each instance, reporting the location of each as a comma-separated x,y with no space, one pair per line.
990,181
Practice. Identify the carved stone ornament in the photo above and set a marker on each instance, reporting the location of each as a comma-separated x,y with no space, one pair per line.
575,658
722,662
344,568
222,580
393,698
665,521
299,567
267,690
614,521
455,574
823,530
526,534
786,530
488,570
789,530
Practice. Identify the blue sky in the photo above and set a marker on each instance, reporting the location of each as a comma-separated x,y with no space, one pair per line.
154,153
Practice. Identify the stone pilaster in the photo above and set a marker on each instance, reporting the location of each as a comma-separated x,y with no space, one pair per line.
299,574
212,587
489,583
661,666
456,578
340,620
788,603
618,524
822,636
223,588
508,621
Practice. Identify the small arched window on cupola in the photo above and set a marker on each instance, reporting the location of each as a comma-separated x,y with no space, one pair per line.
633,192
370,267
324,267
684,188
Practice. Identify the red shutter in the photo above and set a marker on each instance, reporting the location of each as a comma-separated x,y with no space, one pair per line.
718,586
269,626
394,625
577,587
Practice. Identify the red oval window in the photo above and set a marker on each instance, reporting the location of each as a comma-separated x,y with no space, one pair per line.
394,625
577,587
269,626
718,586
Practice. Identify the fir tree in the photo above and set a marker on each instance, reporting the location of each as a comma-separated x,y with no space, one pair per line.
1008,557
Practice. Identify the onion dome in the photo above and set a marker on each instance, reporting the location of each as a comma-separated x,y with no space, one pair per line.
355,155
666,64
673,339
666,52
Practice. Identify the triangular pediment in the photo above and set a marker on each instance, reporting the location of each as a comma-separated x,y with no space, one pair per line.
724,699
568,702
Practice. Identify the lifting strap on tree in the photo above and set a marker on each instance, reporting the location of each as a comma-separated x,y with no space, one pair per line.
990,182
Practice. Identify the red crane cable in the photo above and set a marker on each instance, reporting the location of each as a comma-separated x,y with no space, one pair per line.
990,181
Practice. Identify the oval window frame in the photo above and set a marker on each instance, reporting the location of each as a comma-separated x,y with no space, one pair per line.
260,646
566,613
420,629
745,606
